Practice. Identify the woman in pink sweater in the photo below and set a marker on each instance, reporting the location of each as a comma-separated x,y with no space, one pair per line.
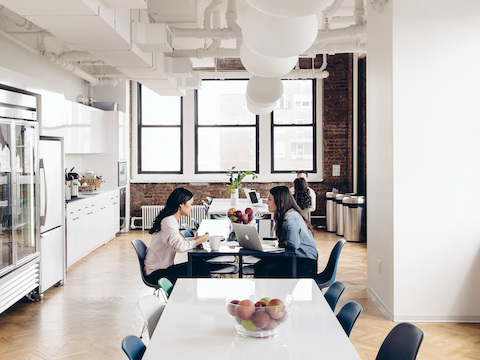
167,240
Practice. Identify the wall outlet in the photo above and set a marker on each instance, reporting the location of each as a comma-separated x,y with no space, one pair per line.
379,266
336,170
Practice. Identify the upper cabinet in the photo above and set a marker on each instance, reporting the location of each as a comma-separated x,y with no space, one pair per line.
81,126
84,131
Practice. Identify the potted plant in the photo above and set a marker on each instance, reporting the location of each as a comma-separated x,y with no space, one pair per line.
235,179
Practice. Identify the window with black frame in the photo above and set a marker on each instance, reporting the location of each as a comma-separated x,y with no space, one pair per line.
226,132
293,128
159,133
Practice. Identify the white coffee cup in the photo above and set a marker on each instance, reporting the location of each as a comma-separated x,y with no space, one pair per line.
214,241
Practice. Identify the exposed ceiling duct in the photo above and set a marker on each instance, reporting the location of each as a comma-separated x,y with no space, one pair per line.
166,45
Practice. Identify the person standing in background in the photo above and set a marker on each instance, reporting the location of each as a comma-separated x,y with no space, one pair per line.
302,196
304,175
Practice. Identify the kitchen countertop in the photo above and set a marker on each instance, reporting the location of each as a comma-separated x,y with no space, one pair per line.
82,195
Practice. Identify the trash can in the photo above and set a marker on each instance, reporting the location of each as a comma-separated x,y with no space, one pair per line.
331,211
353,207
339,207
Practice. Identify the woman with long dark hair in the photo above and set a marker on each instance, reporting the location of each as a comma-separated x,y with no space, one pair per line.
302,196
294,232
167,241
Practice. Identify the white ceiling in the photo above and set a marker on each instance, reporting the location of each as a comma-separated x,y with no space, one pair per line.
108,44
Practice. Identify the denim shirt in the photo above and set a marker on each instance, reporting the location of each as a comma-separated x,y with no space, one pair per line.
298,236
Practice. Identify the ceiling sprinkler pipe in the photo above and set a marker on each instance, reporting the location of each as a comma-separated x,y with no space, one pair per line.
231,15
224,34
207,14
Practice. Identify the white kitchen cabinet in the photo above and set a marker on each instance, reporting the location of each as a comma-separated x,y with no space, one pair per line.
84,129
91,222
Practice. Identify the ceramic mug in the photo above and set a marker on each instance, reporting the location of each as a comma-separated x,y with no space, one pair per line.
214,241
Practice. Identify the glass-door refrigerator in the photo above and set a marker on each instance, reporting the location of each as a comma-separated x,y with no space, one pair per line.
19,255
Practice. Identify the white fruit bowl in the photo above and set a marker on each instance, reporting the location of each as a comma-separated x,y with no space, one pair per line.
260,319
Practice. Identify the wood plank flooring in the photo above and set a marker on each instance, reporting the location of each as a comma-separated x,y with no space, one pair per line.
88,317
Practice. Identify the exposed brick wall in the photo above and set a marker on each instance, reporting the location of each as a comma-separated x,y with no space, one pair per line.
337,142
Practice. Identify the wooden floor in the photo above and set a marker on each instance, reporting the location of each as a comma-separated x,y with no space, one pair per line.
88,317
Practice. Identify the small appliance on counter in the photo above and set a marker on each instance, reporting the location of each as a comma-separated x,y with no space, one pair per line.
74,183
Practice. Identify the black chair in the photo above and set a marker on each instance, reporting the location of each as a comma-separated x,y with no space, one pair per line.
348,314
327,276
133,347
141,250
402,343
333,293
195,223
188,229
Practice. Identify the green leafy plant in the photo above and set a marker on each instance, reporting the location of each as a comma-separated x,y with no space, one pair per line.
236,177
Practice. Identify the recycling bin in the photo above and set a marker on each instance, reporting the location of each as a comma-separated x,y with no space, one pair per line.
339,207
331,211
353,208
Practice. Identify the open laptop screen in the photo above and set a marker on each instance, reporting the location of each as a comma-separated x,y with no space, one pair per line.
253,196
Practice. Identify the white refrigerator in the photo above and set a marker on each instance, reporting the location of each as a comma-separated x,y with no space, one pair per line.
52,212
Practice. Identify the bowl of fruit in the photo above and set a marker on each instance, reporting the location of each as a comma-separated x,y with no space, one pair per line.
264,318
238,217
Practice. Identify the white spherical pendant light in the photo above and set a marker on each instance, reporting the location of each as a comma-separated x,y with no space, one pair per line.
264,90
260,110
290,8
276,36
266,66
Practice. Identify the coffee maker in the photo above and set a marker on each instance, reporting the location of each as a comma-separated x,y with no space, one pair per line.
73,183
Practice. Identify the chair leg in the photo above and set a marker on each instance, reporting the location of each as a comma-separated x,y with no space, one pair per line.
145,325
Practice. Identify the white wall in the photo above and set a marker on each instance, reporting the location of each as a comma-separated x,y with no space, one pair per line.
436,121
380,158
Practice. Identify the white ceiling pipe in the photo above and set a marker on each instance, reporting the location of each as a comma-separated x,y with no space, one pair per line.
17,19
342,21
338,48
207,14
224,34
350,32
331,11
77,56
71,68
359,12
205,53
293,75
231,15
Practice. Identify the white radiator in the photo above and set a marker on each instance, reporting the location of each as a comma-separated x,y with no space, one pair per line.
150,212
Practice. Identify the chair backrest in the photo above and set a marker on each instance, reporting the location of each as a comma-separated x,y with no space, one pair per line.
186,234
189,229
133,347
328,274
333,293
141,250
166,285
151,308
195,223
209,199
402,343
348,314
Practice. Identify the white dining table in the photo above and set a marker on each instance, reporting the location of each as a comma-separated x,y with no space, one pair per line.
196,325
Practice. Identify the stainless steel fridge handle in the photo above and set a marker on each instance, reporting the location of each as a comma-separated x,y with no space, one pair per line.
44,217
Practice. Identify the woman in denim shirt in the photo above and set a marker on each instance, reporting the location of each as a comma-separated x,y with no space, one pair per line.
294,233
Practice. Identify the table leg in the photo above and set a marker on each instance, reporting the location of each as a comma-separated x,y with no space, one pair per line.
294,266
190,266
240,266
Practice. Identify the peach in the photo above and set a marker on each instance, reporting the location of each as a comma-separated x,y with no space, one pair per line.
244,309
276,308
260,319
231,307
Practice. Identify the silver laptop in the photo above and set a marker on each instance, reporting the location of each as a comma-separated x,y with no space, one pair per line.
247,237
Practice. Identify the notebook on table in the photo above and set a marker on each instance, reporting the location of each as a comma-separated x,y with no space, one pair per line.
247,237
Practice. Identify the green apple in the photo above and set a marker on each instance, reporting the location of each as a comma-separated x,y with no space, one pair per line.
248,324
238,320
266,299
